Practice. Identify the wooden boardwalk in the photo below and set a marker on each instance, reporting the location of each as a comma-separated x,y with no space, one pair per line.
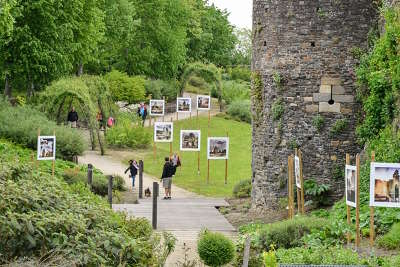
182,214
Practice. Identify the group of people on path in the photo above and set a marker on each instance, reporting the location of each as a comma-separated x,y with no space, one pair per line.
169,170
73,118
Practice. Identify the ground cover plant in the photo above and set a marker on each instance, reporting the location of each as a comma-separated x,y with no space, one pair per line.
187,176
21,124
41,216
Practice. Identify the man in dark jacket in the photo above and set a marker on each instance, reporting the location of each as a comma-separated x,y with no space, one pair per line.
72,118
133,168
166,177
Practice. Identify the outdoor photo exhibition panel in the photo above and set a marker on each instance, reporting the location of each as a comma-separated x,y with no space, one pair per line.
163,132
190,140
385,185
297,171
351,185
203,102
217,148
157,107
184,105
46,148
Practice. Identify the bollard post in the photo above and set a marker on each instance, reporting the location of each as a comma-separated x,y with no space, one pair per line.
141,178
155,195
90,175
110,186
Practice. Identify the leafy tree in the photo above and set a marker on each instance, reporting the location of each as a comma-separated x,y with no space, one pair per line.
159,47
216,41
125,88
120,27
242,52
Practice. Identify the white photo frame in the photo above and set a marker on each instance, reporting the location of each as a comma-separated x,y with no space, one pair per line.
217,148
157,107
184,105
203,102
46,148
351,185
190,140
297,171
163,132
385,185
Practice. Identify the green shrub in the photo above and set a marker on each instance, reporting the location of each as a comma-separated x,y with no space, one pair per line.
391,240
319,193
277,109
125,133
318,122
215,249
69,219
240,73
160,88
289,233
278,80
270,258
242,189
235,91
338,127
69,141
240,110
126,88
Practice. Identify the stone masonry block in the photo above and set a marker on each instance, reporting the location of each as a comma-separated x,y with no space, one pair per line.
308,99
312,108
344,98
325,107
325,88
338,90
326,80
346,110
325,97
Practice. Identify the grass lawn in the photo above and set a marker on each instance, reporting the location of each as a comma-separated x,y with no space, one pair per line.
239,164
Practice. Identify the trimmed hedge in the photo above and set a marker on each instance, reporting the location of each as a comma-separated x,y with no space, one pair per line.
215,249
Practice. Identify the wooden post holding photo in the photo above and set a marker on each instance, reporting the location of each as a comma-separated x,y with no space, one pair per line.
347,206
208,160
296,153
163,117
300,155
198,162
170,144
358,236
290,187
148,111
226,165
154,151
53,164
371,215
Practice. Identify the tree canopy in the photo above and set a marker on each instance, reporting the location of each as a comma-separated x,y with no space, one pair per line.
45,40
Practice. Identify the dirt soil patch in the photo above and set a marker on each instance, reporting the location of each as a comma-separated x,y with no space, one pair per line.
240,213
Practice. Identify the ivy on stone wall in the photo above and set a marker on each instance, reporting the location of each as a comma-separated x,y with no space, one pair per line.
379,79
256,92
277,109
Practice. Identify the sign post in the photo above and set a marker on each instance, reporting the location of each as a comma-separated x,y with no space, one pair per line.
371,215
301,181
226,165
358,203
347,206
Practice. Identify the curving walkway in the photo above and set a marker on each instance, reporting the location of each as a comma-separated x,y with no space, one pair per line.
184,216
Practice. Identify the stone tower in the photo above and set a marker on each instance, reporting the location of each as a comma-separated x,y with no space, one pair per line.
304,79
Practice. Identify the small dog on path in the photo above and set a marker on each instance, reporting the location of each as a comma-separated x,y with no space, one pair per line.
147,192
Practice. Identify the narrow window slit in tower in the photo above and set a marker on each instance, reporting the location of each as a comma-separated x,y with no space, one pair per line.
265,43
312,44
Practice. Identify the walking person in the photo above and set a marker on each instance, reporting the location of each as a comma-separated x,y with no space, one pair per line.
143,113
133,168
166,177
72,118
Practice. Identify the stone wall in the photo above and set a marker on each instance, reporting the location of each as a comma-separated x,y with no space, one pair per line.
303,52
